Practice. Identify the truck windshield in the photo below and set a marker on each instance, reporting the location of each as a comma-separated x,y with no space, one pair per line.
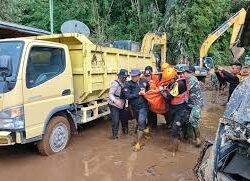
13,49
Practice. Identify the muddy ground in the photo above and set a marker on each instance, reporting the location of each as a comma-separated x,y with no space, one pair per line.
92,155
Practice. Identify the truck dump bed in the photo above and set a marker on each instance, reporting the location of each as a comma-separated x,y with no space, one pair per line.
94,66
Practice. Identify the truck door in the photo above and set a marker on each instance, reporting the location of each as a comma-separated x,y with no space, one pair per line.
47,85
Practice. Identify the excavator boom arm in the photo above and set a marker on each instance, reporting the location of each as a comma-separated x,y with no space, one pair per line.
151,39
237,21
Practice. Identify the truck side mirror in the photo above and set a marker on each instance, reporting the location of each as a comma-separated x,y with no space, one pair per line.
5,66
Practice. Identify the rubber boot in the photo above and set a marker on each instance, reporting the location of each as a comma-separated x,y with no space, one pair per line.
146,132
138,144
197,137
115,137
136,129
114,134
125,131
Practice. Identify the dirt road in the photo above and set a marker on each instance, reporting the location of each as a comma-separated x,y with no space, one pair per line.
91,155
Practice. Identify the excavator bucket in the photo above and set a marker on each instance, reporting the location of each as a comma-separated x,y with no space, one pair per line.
244,38
237,52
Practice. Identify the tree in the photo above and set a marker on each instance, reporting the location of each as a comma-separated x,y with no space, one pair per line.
186,22
8,10
189,22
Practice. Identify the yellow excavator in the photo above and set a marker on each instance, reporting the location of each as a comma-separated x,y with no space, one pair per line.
152,39
237,22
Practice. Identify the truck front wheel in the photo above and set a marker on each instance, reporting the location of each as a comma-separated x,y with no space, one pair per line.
56,137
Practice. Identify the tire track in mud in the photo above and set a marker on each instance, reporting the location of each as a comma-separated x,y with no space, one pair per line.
131,164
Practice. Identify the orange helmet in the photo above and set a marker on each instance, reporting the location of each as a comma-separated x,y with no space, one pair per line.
168,74
164,66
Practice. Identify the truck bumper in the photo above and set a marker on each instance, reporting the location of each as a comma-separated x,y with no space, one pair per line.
6,138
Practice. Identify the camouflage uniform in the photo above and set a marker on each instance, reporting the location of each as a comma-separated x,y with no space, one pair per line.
195,101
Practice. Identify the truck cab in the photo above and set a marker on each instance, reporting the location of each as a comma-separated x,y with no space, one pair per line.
36,82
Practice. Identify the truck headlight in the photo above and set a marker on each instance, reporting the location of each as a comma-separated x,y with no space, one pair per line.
12,118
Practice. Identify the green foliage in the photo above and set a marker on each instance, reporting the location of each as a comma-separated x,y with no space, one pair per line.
33,13
189,25
187,22
8,10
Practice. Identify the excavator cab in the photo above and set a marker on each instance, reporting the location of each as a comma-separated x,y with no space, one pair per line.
208,62
202,71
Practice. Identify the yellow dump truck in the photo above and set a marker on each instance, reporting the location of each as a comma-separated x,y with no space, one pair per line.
50,84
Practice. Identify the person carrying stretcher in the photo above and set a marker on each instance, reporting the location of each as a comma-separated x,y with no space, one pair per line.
176,95
157,104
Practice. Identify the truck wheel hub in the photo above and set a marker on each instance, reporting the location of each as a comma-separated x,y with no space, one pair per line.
59,137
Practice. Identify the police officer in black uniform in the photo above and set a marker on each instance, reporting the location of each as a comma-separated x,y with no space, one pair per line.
134,91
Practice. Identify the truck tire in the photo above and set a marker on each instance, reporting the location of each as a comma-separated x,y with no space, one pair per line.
56,137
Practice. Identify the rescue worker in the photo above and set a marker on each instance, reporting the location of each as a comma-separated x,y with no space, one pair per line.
176,94
164,66
152,80
195,102
231,77
134,91
222,82
244,73
117,104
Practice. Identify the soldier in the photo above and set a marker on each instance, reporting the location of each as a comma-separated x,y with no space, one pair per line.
134,91
195,102
180,70
117,104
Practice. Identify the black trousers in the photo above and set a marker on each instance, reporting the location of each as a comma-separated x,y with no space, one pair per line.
152,119
118,114
178,115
